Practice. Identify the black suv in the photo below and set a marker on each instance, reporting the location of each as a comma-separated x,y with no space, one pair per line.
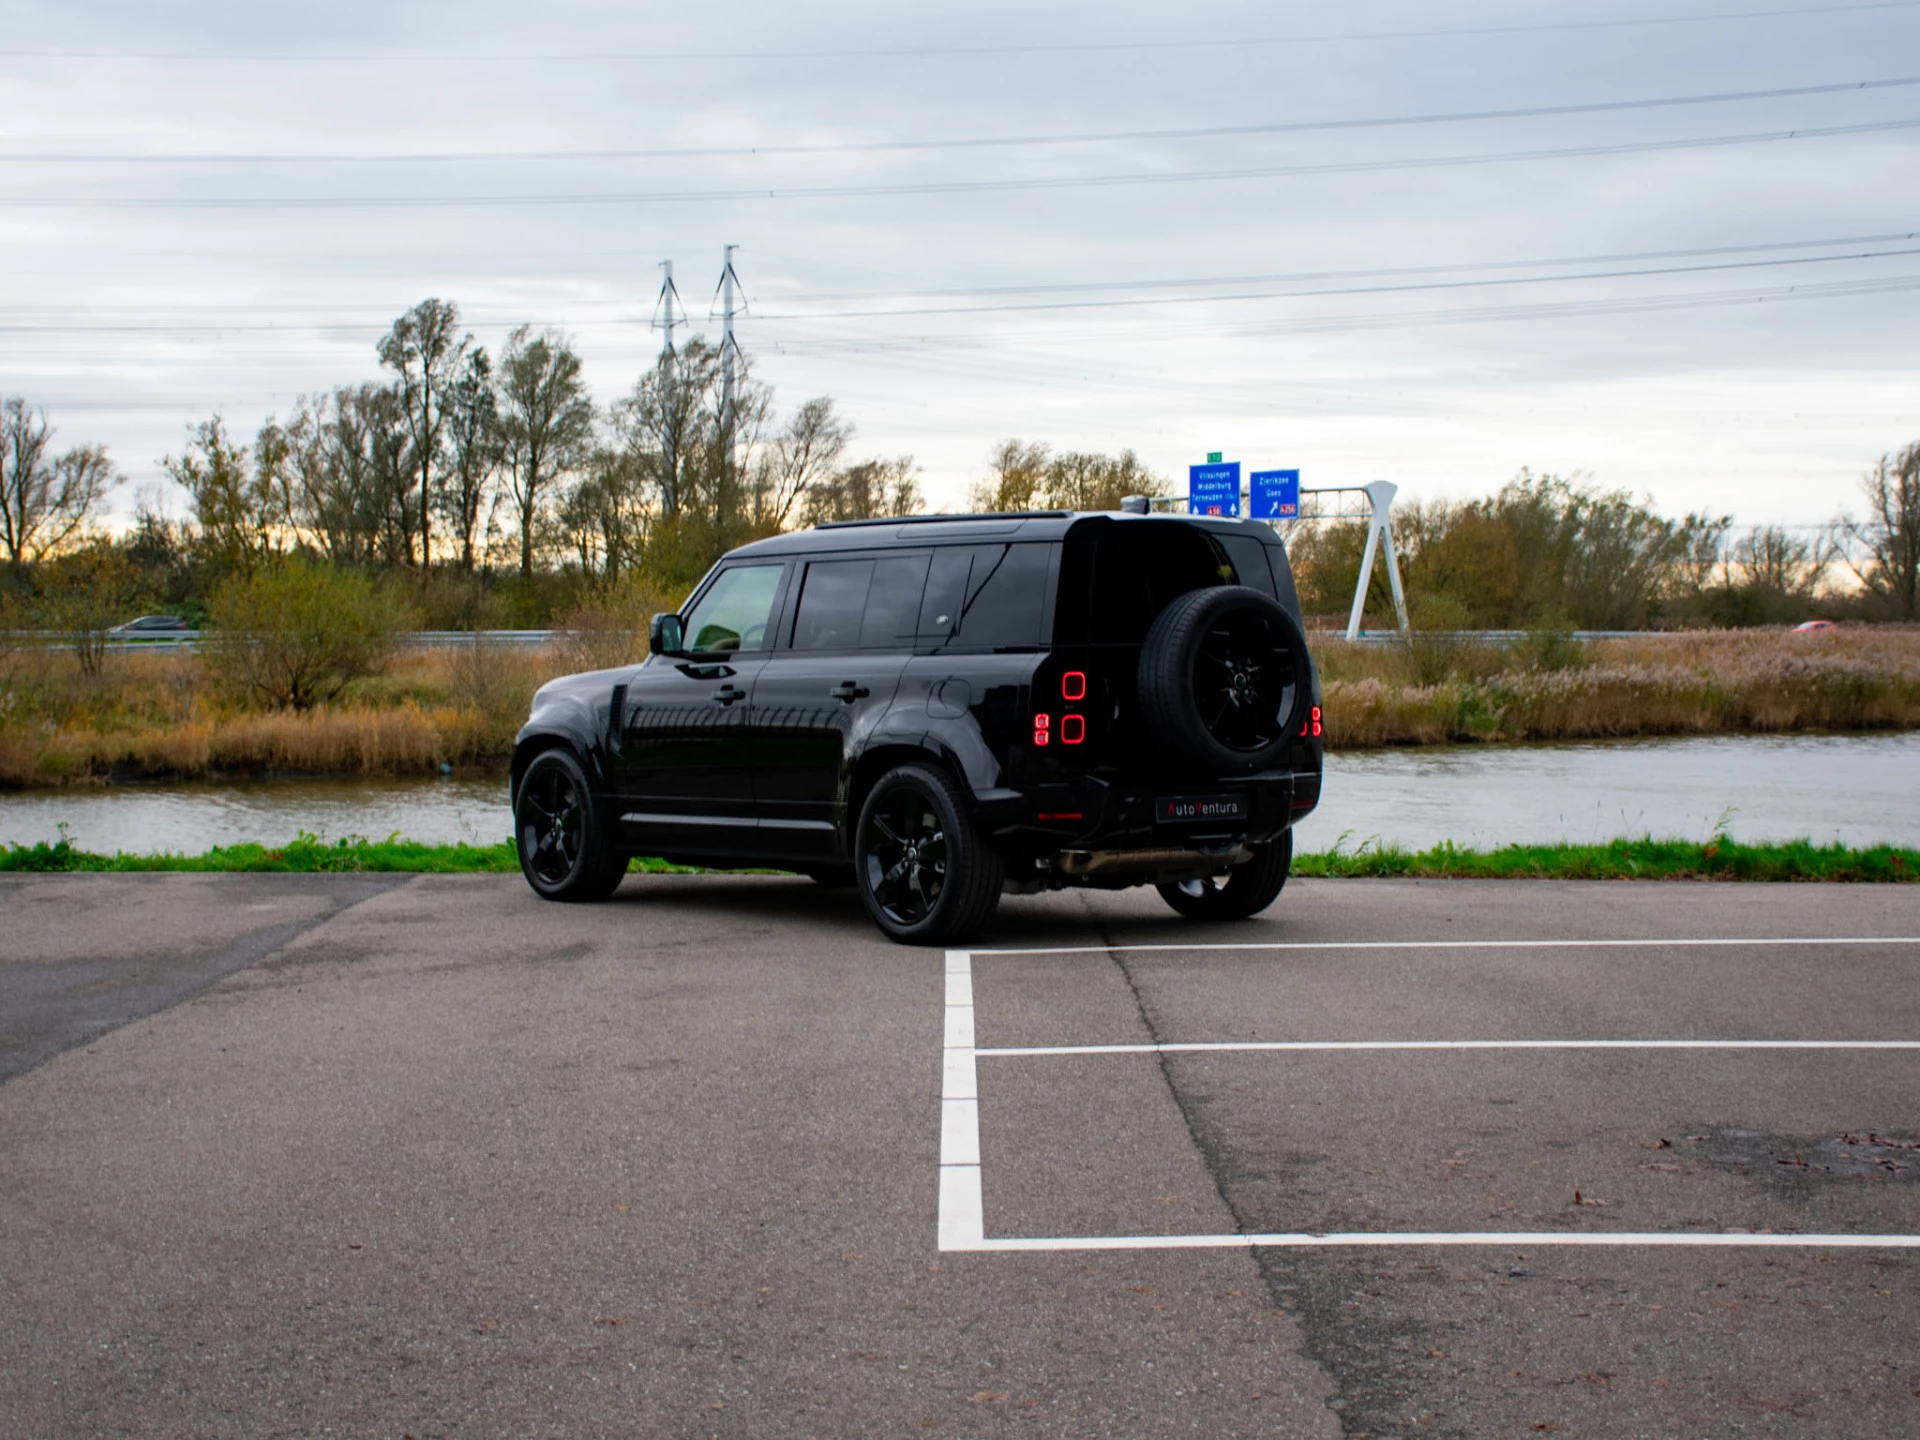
936,710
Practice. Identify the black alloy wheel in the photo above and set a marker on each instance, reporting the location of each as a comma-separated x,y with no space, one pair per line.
1243,681
926,876
1243,891
563,851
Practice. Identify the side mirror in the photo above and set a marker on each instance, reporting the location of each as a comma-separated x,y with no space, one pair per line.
664,636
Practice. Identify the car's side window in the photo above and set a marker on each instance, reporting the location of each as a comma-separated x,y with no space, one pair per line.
893,602
986,595
833,602
735,611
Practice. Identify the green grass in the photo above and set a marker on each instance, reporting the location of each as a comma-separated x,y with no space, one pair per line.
1645,859
306,855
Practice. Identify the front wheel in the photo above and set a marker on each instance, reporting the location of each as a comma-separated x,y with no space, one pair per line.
1243,891
926,875
563,848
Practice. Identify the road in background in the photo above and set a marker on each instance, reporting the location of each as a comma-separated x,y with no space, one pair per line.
447,1160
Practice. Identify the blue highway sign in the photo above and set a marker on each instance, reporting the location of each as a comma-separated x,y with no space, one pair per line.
1214,489
1276,494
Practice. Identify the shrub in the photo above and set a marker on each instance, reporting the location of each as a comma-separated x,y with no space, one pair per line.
294,634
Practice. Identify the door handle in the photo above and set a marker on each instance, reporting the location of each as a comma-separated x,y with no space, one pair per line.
848,692
727,694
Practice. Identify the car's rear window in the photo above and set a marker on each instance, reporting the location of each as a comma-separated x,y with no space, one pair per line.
1116,578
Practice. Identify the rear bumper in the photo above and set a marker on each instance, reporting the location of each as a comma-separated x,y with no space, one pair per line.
1096,813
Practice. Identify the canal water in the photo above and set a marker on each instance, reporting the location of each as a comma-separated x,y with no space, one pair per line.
1853,788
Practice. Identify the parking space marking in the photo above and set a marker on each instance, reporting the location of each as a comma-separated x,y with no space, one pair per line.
1462,944
1191,1046
962,1211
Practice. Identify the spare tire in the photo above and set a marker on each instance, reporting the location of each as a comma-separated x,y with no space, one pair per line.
1221,680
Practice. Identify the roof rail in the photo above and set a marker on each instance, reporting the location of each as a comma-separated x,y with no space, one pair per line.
940,519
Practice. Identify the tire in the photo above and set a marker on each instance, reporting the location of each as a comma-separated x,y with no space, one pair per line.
564,851
1220,680
1243,891
924,872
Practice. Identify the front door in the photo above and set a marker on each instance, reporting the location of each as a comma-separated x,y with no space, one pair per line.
682,761
825,687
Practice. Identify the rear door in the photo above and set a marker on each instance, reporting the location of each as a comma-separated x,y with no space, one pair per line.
682,763
825,686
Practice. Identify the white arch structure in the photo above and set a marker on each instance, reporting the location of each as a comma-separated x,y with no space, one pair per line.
1379,518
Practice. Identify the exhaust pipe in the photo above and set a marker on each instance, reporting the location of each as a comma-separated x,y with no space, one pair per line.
1087,863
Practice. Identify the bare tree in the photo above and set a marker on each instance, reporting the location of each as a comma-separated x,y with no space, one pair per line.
473,450
233,503
1019,471
45,501
1889,538
546,423
869,490
422,351
799,458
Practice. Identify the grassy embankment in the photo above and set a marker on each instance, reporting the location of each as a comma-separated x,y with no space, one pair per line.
1719,859
161,716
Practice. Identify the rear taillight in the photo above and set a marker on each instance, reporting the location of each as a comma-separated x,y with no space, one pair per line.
1312,727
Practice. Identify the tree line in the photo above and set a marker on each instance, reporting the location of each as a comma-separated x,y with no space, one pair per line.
1558,551
494,490
462,468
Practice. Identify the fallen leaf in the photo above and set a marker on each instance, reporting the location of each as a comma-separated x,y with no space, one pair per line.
980,1397
1658,1166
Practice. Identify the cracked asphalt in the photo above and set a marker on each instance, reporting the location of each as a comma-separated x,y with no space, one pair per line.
303,1156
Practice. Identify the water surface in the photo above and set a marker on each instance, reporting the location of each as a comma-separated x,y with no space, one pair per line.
1853,788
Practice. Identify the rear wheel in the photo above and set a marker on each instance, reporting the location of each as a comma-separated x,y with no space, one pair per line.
1243,891
556,827
925,873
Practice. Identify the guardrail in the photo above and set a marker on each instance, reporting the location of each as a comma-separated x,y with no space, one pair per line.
191,639
1490,637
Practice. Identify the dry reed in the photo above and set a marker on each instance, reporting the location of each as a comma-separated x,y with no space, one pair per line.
160,715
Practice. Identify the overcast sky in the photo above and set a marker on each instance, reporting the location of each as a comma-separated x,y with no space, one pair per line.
1728,326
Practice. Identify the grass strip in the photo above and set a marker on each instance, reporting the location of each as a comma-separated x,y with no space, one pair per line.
1643,859
306,855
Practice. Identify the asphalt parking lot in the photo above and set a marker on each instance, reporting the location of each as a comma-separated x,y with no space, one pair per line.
379,1156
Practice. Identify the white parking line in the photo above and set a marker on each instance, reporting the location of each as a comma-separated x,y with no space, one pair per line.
1189,1047
962,1214
1461,944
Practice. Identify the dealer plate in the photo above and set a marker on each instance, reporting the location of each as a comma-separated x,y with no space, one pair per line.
1193,809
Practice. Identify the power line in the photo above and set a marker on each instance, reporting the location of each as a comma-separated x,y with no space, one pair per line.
901,52
1618,257
1429,285
425,157
481,316
936,187
1416,287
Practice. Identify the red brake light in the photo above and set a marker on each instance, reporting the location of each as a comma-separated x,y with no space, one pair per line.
1073,685
1073,729
1312,727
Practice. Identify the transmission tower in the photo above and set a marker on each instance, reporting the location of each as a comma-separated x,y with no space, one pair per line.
664,320
729,349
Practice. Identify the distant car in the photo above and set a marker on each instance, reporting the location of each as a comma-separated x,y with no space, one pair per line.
1809,626
151,625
